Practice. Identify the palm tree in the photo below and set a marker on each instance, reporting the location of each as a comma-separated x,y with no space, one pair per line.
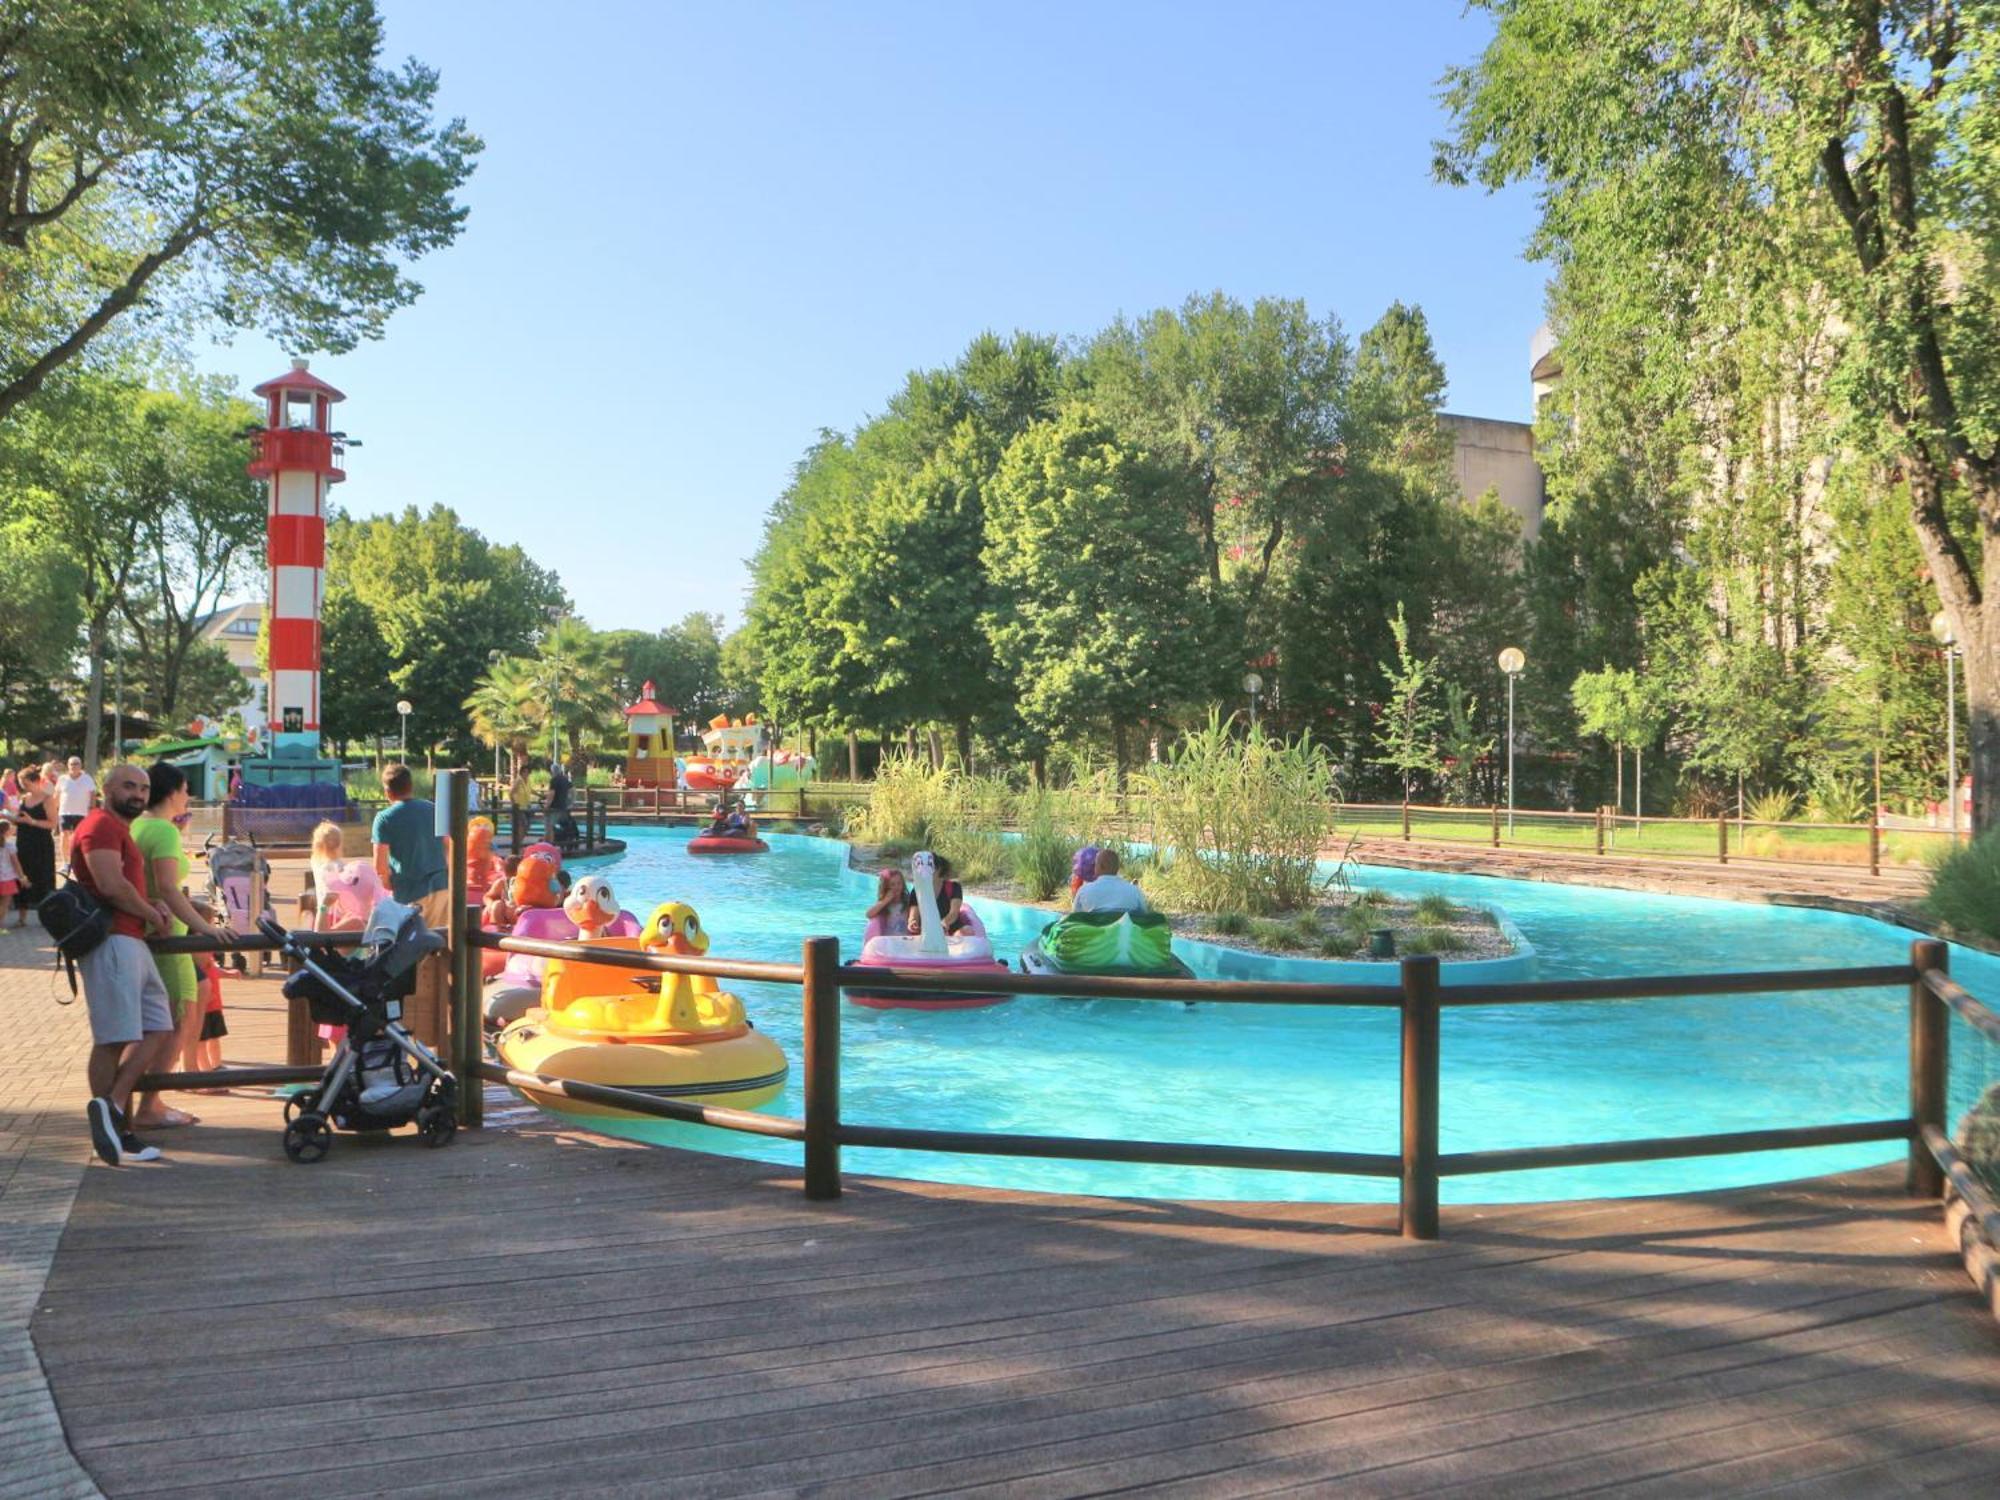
507,708
578,675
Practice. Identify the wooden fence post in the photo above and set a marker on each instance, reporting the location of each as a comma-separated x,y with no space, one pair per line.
1600,828
822,1054
461,1026
1419,1215
1930,1059
1496,825
1722,838
1875,842
1406,820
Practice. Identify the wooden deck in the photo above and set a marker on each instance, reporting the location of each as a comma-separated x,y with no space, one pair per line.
535,1311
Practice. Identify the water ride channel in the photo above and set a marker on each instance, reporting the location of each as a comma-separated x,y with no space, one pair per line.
1319,1078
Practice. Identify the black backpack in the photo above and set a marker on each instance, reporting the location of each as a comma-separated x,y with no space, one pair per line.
76,920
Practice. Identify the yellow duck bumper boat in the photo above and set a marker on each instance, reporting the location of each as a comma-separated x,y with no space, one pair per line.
686,1041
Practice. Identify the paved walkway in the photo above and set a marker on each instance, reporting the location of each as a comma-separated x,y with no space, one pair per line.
44,1146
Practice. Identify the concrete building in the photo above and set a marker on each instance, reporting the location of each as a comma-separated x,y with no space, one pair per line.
234,628
1491,454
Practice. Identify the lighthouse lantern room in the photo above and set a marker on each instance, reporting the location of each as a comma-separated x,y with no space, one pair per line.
297,455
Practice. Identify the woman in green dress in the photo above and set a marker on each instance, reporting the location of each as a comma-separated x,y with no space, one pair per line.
159,839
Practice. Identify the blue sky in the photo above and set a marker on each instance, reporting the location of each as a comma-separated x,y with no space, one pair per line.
699,234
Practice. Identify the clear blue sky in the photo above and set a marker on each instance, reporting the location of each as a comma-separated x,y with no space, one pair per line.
700,233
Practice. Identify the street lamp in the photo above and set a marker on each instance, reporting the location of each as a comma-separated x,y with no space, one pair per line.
1512,660
1253,685
493,659
403,737
1941,628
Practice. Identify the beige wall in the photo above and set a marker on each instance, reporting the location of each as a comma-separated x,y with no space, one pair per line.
1499,456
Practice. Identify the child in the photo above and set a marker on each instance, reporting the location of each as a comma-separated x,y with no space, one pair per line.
326,852
498,903
208,1050
884,915
950,899
10,874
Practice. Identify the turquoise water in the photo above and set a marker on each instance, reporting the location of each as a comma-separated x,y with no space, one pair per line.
1328,1079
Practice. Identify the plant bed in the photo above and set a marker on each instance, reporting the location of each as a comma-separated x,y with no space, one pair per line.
1341,929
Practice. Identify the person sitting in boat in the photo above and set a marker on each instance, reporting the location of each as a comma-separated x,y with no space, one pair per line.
950,900
729,823
886,915
1109,891
1082,870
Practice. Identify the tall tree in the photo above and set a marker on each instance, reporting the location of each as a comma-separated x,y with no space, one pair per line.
1850,144
441,596
1407,736
1106,617
40,626
254,163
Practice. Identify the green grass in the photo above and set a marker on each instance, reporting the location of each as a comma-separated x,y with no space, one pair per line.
1965,888
1436,908
1433,940
1231,923
1338,945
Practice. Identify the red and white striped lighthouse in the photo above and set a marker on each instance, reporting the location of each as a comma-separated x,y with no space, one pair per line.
297,456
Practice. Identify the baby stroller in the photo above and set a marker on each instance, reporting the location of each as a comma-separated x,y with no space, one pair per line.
232,872
380,1076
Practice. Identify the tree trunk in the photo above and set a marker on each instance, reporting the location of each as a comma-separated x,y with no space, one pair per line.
1118,750
965,745
853,756
1638,785
910,741
1618,778
93,706
1982,695
1041,764
936,747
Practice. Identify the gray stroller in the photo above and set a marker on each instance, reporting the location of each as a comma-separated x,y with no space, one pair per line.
380,1076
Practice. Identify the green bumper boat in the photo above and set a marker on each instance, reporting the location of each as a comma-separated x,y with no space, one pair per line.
1106,942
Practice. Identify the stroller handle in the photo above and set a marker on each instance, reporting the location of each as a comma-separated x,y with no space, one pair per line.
270,928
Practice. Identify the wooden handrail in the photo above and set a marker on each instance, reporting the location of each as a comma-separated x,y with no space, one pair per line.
749,1122
1680,986
1980,1017
1672,1147
1148,1153
1114,987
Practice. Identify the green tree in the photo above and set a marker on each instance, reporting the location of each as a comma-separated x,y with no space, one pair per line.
1464,740
40,628
1105,618
577,676
1840,156
510,708
357,699
684,662
441,596
1407,734
1619,706
206,684
251,163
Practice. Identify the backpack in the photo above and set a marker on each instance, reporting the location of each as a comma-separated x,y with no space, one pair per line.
76,920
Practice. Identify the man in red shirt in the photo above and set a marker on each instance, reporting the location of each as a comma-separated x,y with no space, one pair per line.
131,1023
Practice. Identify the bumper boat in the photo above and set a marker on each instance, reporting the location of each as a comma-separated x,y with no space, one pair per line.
967,953
590,912
685,1041
1098,943
726,843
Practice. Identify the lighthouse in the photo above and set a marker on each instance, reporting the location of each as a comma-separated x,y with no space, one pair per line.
296,455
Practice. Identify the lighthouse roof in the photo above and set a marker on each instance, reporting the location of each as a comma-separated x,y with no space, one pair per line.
646,704
298,378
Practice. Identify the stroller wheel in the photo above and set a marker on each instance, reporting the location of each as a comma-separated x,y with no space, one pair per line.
301,1104
308,1138
439,1123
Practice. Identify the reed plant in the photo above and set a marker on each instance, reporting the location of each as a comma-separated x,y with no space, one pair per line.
1043,853
1965,887
1237,821
908,804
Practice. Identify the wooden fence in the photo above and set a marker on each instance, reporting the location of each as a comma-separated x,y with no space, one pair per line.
1417,995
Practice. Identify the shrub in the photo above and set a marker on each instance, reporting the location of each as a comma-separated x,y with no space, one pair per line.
1837,799
1965,887
1231,923
1772,807
1338,945
1434,940
1436,908
1042,856
1271,932
1237,823
908,804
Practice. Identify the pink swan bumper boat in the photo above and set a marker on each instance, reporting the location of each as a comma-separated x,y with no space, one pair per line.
966,953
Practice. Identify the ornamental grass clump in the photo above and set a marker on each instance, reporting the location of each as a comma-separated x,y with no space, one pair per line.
1237,822
1965,887
908,804
1043,852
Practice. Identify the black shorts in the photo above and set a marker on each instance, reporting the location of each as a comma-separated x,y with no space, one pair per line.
73,821
213,1027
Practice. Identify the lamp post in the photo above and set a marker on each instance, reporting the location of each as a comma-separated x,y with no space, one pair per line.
1253,685
1512,660
493,659
1941,628
403,735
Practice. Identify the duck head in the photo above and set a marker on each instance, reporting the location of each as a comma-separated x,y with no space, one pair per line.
535,882
674,927
591,905
479,838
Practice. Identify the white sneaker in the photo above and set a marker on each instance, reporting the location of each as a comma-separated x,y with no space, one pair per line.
131,1148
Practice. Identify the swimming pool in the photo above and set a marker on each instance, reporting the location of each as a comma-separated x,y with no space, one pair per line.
1328,1078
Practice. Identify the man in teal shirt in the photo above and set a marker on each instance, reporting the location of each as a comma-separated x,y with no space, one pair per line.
410,859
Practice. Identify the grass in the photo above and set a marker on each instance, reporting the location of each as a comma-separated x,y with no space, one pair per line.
1436,908
1433,940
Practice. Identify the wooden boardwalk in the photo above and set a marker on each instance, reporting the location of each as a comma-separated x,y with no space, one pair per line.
536,1311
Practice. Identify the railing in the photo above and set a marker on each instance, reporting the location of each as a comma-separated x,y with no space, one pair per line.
1419,1166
